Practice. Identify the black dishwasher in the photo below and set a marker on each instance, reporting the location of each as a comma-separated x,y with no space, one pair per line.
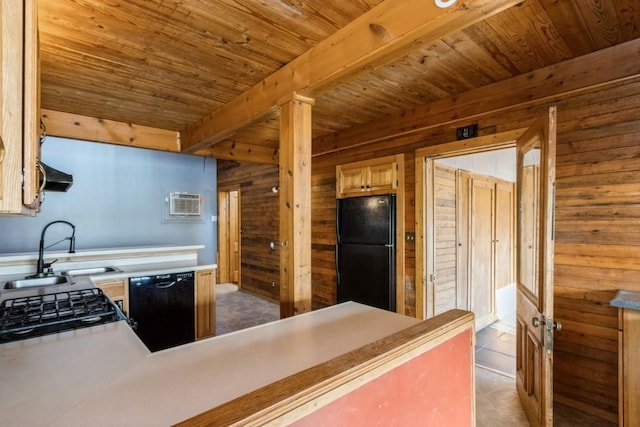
162,309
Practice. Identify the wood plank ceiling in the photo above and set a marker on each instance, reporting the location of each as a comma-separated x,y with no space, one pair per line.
167,63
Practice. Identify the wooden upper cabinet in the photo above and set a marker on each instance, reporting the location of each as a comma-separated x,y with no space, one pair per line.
377,176
20,107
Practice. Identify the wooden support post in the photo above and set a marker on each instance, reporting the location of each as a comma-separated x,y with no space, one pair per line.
295,206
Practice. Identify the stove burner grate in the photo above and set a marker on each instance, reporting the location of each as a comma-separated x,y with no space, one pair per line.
37,315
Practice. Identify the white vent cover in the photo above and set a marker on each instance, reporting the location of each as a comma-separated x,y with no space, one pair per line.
181,204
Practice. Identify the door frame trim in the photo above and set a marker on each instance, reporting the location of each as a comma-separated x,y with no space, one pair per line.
423,161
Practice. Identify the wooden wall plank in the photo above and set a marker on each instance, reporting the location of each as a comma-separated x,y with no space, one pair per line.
259,216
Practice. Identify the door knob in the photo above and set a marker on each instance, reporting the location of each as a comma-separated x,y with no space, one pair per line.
557,326
535,322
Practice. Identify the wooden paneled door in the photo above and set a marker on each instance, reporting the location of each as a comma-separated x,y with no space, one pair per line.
234,237
481,284
229,237
534,269
504,262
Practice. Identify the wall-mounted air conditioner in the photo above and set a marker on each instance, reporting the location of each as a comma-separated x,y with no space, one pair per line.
184,204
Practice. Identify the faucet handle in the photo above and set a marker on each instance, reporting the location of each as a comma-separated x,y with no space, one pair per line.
47,266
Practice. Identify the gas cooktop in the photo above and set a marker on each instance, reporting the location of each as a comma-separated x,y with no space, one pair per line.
38,315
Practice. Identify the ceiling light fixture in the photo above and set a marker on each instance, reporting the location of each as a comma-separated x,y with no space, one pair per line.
443,4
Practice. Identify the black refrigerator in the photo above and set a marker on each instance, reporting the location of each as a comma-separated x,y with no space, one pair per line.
365,252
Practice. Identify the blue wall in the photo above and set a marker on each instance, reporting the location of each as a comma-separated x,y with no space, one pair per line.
118,200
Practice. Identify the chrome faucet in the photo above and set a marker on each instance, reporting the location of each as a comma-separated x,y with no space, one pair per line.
72,247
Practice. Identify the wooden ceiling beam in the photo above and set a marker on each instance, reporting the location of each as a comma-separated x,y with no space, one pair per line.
241,152
389,31
75,126
604,67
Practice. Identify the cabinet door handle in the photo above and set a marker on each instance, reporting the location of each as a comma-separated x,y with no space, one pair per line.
43,174
1,149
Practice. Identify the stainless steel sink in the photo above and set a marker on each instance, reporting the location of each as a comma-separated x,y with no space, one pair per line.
91,271
39,281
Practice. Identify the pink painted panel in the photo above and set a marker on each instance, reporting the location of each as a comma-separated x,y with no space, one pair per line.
433,389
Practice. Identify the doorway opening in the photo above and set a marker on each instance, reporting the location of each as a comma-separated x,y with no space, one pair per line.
229,237
465,228
465,248
474,250
465,253
474,214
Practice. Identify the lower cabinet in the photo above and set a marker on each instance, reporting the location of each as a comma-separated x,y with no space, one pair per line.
117,290
628,370
205,295
205,304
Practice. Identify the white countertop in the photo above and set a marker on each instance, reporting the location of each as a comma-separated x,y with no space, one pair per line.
40,378
32,256
169,386
132,262
82,282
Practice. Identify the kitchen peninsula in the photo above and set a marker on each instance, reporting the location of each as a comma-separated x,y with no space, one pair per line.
103,376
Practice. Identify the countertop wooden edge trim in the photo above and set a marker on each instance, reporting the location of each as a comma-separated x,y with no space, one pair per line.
295,396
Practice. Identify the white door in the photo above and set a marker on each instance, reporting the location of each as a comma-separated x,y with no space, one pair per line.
534,269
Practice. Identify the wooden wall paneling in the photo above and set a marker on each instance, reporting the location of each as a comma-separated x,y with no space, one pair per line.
323,235
445,286
591,264
596,222
409,278
259,221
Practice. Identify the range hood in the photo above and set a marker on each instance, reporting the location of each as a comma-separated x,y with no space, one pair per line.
56,180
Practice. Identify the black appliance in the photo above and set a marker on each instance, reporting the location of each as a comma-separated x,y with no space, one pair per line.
162,309
365,252
56,180
34,316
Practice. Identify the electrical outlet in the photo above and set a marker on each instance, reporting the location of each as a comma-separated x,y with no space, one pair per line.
410,236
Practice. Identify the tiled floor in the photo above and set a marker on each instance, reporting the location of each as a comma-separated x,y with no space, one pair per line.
497,403
237,310
496,349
